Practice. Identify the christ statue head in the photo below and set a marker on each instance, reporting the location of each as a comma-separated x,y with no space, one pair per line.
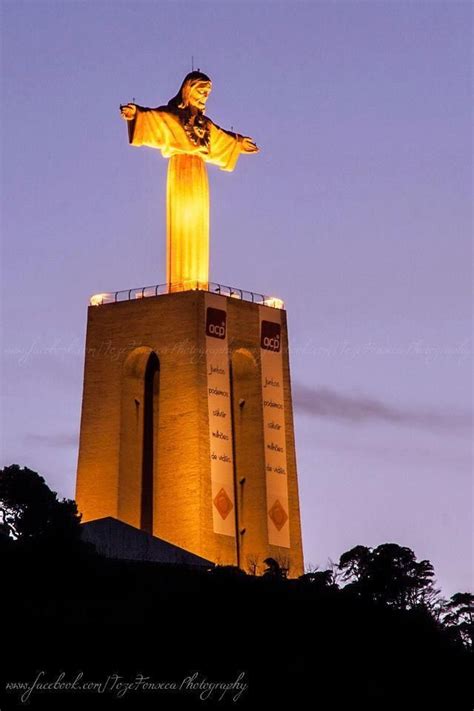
193,93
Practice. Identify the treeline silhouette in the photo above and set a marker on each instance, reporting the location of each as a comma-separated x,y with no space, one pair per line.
371,632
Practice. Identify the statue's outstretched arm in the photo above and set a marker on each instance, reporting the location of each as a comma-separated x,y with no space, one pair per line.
248,145
146,127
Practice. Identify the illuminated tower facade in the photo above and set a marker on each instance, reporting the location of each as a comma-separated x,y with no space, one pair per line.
187,423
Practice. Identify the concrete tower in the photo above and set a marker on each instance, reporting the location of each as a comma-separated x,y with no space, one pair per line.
187,424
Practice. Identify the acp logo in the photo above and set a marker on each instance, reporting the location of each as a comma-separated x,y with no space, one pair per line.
270,336
216,320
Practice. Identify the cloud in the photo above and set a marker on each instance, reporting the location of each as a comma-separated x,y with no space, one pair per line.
356,409
328,404
62,439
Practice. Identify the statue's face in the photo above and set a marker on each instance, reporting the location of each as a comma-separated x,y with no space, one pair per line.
198,94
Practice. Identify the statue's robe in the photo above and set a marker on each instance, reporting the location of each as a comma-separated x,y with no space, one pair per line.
187,194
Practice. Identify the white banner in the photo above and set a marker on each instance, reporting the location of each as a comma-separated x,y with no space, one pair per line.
274,427
220,415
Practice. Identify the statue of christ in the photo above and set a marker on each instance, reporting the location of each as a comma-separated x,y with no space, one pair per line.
190,140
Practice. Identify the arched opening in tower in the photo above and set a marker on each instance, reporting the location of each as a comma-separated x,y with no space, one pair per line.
138,451
150,422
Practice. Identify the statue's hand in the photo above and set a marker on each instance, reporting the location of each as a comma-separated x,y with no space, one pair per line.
128,112
249,145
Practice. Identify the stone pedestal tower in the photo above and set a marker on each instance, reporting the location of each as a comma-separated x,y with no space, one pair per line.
187,424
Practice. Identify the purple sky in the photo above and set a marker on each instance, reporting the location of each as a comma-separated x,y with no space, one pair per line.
356,212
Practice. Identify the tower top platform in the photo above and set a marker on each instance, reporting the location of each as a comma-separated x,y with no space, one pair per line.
143,292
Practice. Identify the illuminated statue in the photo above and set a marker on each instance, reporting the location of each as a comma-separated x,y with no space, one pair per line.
190,139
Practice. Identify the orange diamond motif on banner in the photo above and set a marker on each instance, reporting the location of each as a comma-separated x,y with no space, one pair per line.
223,504
278,515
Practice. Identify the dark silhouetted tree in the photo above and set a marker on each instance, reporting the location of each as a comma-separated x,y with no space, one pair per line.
354,564
319,579
30,513
459,617
389,574
253,564
274,569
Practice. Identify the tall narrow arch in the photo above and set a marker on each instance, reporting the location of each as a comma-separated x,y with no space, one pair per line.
138,426
150,417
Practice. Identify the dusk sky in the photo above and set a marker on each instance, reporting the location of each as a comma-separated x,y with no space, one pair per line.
356,212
